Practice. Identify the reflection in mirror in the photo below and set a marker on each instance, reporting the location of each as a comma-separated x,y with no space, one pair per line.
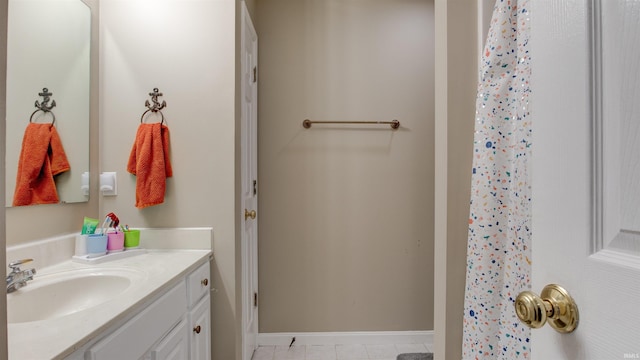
48,46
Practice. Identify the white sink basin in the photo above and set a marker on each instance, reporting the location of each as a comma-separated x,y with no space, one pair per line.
64,293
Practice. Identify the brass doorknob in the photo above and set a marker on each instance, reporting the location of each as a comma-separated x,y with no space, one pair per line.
249,214
554,305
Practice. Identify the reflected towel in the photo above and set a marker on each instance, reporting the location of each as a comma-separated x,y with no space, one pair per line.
149,161
42,156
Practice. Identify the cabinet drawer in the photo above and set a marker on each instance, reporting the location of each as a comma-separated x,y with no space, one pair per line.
198,283
134,338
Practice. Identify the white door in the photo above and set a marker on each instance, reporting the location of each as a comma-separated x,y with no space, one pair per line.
585,201
249,179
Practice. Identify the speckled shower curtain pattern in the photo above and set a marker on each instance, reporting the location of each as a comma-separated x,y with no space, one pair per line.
499,243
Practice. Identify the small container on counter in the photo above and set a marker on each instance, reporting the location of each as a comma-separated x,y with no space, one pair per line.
131,239
96,245
81,244
115,241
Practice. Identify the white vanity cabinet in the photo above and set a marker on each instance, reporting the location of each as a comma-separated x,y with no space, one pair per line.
191,338
175,326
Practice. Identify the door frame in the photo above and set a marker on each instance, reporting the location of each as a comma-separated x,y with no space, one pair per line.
457,52
246,272
3,109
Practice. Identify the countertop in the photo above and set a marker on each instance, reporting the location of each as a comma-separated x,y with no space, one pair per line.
154,272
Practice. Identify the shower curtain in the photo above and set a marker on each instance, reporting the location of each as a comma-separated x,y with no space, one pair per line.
499,242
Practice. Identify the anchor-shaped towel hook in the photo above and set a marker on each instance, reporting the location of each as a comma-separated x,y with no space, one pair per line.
156,106
44,106
45,102
154,97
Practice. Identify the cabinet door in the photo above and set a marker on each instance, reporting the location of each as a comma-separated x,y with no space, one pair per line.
133,339
175,346
200,325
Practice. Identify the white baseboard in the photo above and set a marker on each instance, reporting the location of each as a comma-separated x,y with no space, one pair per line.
335,338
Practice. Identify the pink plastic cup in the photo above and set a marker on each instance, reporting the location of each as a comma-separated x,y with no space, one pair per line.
115,242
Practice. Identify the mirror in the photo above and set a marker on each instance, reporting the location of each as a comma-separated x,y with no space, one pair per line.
48,46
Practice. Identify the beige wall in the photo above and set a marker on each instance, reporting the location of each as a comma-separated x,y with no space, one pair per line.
456,81
187,50
346,213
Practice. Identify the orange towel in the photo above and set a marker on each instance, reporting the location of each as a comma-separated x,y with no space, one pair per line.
42,156
149,161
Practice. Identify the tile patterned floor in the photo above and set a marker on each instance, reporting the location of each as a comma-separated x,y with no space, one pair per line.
338,352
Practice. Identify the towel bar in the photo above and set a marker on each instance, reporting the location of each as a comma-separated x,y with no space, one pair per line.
393,123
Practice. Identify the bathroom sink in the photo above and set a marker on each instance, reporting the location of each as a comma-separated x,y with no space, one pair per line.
60,294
